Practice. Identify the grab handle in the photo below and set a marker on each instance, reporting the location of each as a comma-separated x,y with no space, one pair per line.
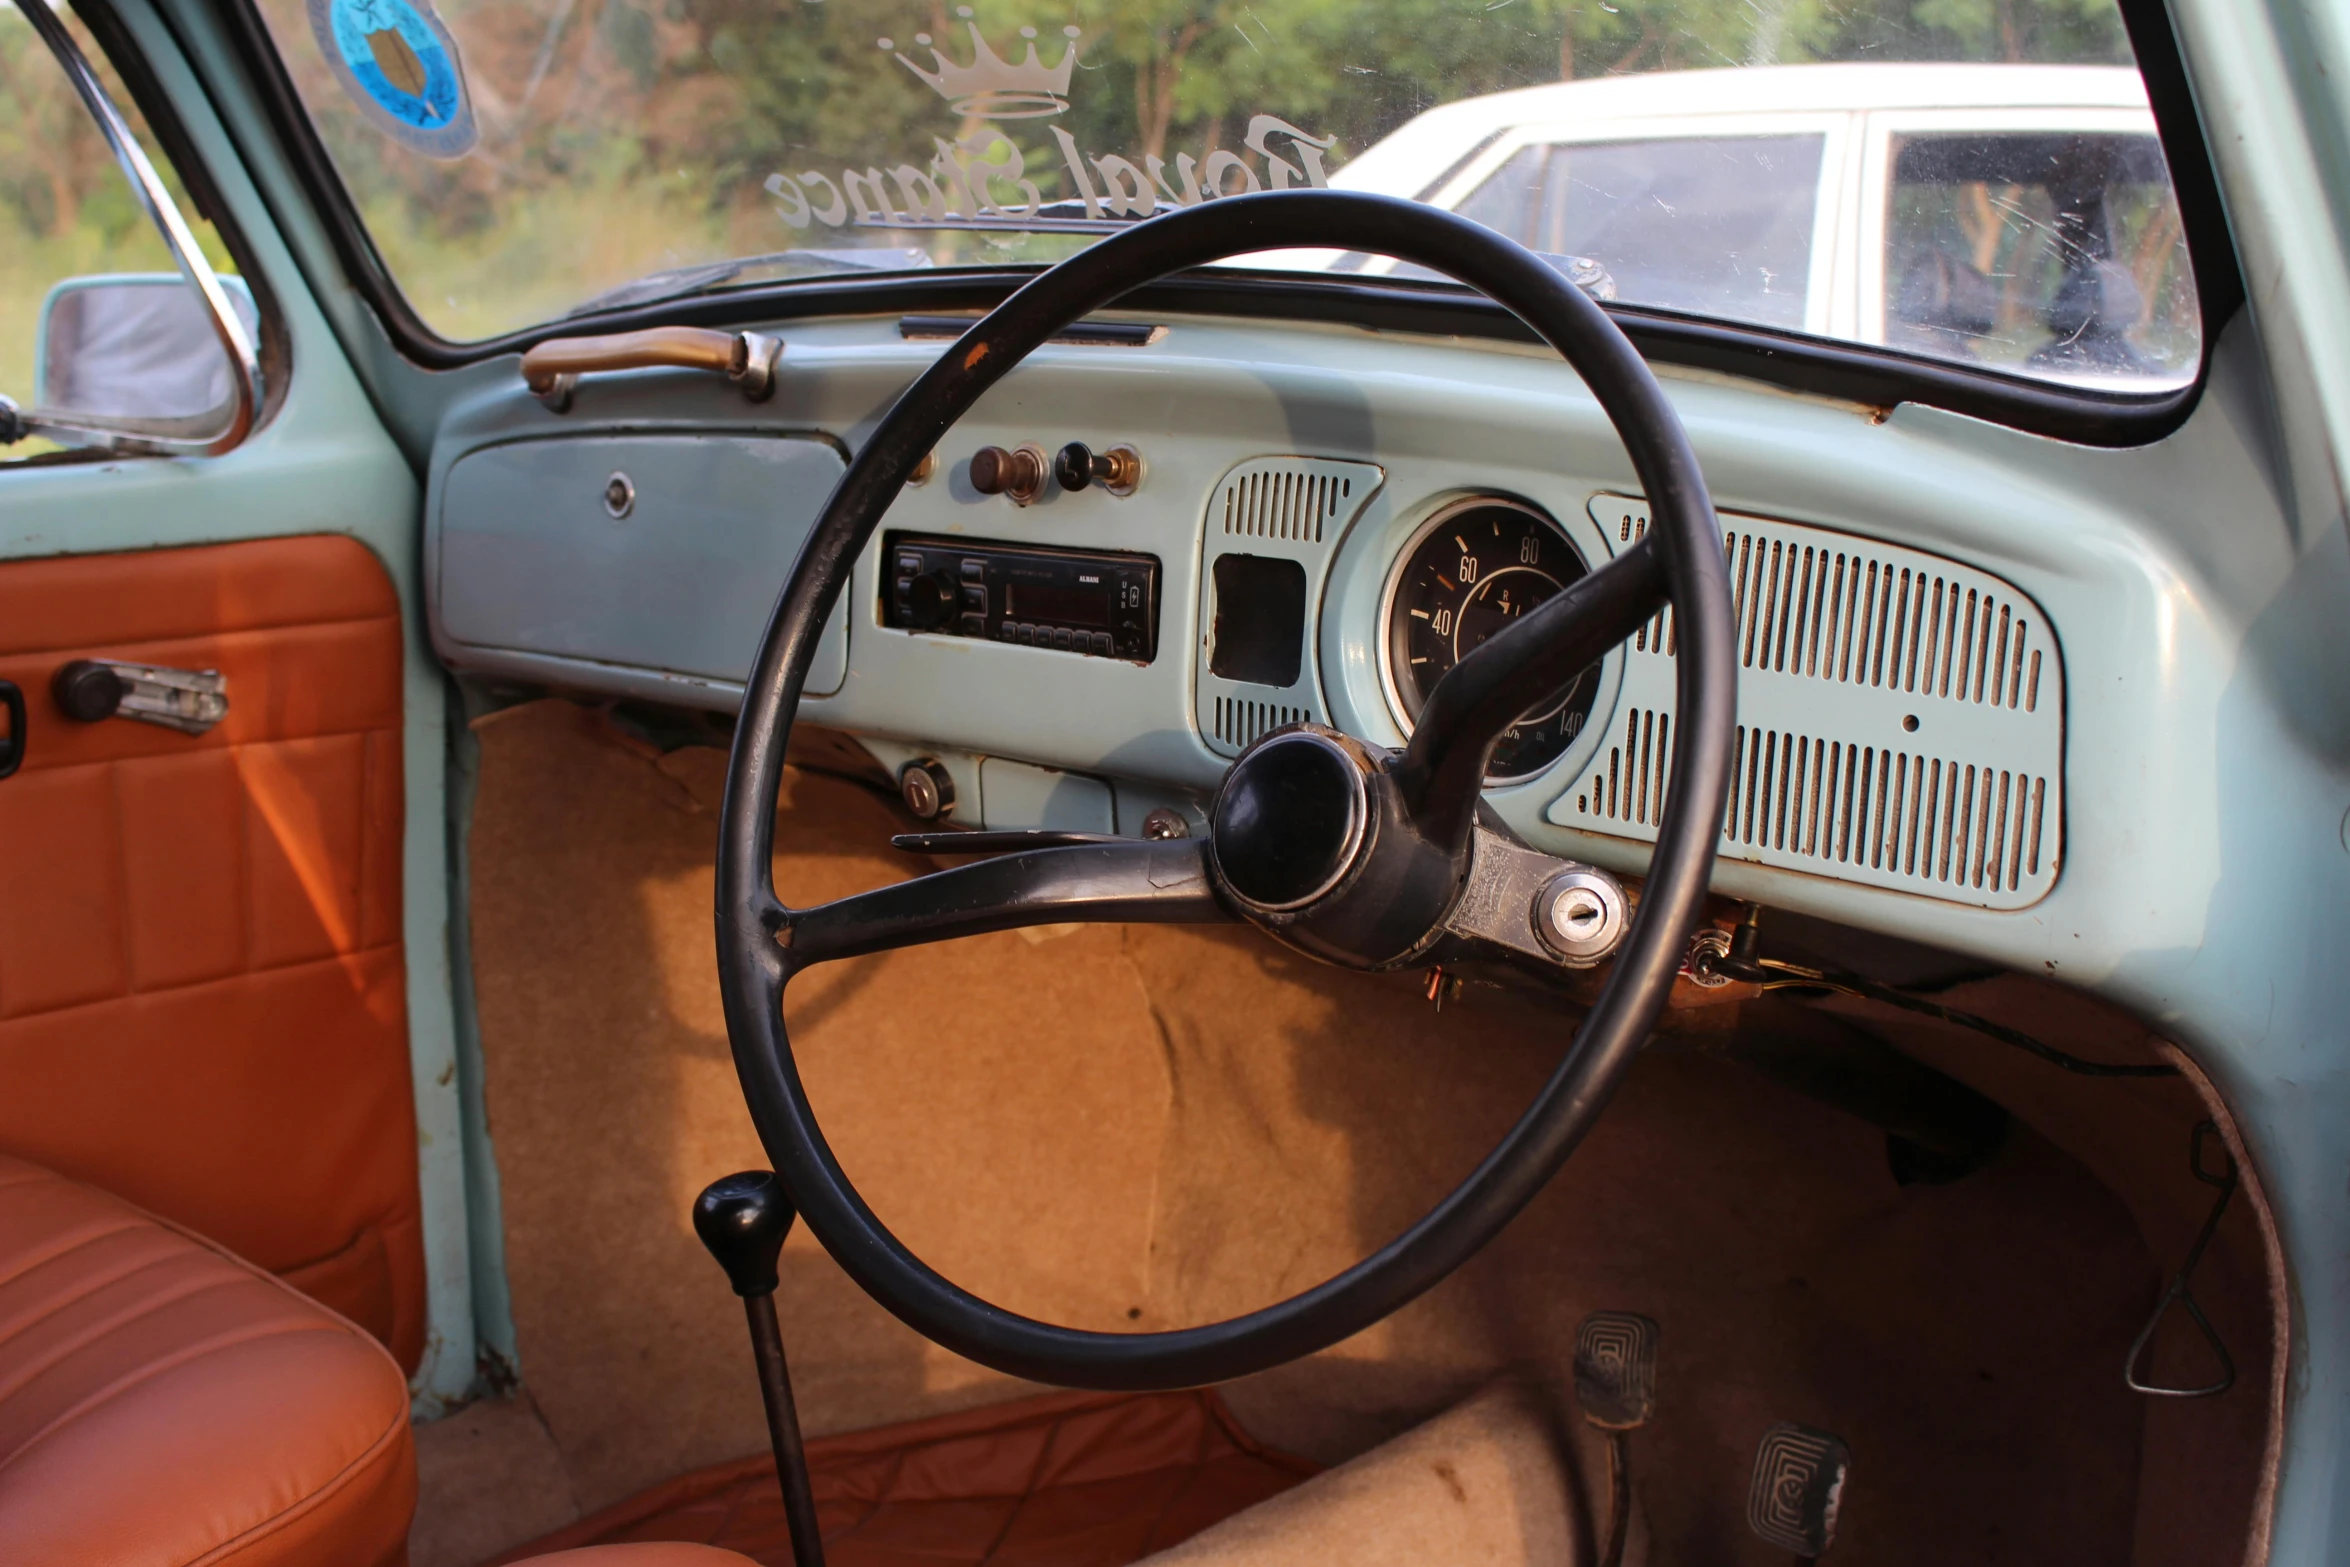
552,369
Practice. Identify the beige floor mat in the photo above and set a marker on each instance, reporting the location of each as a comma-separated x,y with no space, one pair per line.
1145,1127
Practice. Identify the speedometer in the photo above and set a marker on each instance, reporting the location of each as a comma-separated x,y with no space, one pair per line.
1470,571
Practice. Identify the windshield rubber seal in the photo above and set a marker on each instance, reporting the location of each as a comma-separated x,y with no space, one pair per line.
1847,372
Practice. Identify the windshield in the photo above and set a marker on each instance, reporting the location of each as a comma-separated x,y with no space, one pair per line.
1976,180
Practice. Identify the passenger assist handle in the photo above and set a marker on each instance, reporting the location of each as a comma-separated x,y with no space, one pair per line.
552,369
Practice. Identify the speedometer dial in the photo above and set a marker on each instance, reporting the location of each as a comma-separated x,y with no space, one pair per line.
1476,567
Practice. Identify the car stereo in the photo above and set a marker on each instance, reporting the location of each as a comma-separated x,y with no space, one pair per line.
1098,603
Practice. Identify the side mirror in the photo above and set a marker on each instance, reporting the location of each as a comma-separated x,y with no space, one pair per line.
137,354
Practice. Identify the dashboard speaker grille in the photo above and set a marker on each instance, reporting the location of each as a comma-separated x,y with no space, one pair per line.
1936,766
1266,510
1240,723
1931,821
1296,502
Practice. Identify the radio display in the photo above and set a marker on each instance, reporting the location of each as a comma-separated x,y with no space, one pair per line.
1059,604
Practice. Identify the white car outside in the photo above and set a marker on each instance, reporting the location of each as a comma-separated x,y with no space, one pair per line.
2015,216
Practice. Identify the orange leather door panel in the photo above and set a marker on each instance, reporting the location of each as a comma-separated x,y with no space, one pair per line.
202,998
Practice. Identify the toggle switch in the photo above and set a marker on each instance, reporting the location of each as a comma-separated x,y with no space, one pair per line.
1118,470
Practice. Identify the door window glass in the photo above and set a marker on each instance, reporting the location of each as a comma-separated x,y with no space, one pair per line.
1719,226
2058,255
69,220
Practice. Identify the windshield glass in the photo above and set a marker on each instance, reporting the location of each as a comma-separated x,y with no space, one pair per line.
1975,180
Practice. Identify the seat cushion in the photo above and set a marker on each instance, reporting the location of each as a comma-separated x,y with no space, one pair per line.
163,1402
660,1553
1487,1484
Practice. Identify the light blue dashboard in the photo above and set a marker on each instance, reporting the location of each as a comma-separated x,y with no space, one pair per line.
2025,805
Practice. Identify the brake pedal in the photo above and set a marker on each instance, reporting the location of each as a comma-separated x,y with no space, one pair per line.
1798,1488
1615,1383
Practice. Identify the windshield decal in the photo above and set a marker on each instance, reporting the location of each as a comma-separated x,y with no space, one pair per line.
981,180
399,63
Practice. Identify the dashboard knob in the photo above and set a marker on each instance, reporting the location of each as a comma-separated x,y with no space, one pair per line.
1019,473
1117,470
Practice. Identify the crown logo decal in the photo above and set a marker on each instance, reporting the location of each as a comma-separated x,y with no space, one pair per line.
991,87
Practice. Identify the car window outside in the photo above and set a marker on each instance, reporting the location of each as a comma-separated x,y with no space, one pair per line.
2051,253
68,217
523,160
1718,226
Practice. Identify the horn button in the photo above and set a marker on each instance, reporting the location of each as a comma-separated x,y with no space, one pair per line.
1289,821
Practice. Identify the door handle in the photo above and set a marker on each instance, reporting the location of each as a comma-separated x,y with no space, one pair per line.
12,749
189,700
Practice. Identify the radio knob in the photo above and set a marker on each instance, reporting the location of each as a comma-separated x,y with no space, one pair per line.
933,600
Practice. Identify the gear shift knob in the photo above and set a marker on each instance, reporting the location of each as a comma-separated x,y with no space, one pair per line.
743,1219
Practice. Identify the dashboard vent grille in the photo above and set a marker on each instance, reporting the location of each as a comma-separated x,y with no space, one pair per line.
1850,616
1902,718
1285,503
1288,509
1927,820
1240,723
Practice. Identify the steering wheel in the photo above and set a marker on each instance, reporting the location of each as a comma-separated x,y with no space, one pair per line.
1352,853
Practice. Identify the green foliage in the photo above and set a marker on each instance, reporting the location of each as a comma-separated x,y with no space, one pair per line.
622,136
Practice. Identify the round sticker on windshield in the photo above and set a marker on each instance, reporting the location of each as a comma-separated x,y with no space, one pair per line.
399,62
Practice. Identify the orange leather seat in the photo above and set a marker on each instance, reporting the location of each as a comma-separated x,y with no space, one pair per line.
163,1402
657,1554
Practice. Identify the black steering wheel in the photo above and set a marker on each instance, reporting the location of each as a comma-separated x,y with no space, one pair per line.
1351,853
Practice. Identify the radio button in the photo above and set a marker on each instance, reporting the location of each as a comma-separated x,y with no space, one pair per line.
1101,644
975,598
974,571
974,625
909,565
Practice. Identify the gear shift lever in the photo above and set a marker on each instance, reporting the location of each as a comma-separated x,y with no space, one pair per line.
743,1218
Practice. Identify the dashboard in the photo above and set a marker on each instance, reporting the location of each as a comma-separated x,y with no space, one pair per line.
1253,526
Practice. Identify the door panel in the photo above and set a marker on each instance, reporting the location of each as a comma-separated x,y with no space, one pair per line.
202,987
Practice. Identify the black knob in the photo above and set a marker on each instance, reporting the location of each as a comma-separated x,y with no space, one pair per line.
1117,470
932,600
86,691
743,1218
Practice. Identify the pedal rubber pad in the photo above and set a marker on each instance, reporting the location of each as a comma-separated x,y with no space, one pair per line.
1798,1486
1615,1369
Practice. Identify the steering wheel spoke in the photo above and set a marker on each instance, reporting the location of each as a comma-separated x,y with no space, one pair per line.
1442,771
1121,882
